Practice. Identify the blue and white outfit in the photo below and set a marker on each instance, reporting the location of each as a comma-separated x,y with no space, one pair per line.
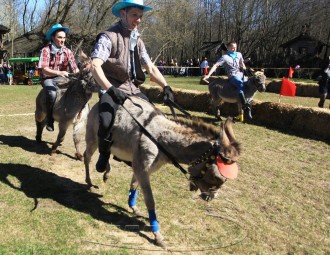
232,62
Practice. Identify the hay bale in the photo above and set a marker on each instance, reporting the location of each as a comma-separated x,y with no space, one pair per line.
202,82
304,89
193,100
312,121
155,94
212,78
299,120
273,86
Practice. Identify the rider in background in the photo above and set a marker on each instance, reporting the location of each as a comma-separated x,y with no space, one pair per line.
324,84
233,63
55,63
118,58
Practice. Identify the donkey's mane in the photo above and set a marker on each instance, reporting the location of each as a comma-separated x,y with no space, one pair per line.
197,124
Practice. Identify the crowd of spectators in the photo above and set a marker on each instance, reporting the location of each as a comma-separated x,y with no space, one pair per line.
188,67
5,73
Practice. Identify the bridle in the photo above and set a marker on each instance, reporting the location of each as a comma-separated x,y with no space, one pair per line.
209,158
83,75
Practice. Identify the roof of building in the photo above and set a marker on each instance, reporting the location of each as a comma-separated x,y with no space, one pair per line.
301,37
26,44
208,46
3,29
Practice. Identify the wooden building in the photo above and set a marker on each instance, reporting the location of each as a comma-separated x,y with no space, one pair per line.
305,50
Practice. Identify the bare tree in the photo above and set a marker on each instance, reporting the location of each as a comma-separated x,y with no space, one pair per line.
178,28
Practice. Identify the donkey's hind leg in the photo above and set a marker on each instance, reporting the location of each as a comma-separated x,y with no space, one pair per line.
91,146
78,137
79,124
40,119
133,193
216,106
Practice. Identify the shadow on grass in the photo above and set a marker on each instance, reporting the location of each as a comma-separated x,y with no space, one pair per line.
37,184
27,144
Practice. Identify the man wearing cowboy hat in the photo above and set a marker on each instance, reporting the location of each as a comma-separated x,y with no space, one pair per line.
56,61
119,57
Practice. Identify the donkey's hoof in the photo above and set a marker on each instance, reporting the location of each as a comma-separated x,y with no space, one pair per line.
38,139
159,240
136,211
79,156
106,176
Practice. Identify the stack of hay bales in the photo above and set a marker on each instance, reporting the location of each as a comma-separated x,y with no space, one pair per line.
304,89
299,120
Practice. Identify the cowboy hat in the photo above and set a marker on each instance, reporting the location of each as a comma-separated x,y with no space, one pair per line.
55,28
129,3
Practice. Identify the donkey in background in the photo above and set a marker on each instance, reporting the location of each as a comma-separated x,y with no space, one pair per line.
71,106
222,91
146,139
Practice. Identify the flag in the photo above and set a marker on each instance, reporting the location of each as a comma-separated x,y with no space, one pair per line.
288,88
291,71
205,71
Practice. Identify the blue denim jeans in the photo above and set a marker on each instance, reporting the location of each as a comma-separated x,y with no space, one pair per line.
238,83
50,87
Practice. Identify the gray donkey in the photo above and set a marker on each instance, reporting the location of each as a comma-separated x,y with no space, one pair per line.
222,91
144,138
71,106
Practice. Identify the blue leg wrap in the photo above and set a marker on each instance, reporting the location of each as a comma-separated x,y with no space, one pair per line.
133,193
153,221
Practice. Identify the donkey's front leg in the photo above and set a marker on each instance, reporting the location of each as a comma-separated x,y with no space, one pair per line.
240,116
78,128
40,126
144,181
216,106
60,137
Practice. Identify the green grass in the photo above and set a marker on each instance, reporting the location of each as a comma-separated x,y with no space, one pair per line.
279,204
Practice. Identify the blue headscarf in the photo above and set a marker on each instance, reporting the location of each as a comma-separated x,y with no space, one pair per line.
232,54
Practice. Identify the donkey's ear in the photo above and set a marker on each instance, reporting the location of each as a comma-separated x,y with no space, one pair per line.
82,56
223,135
228,126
